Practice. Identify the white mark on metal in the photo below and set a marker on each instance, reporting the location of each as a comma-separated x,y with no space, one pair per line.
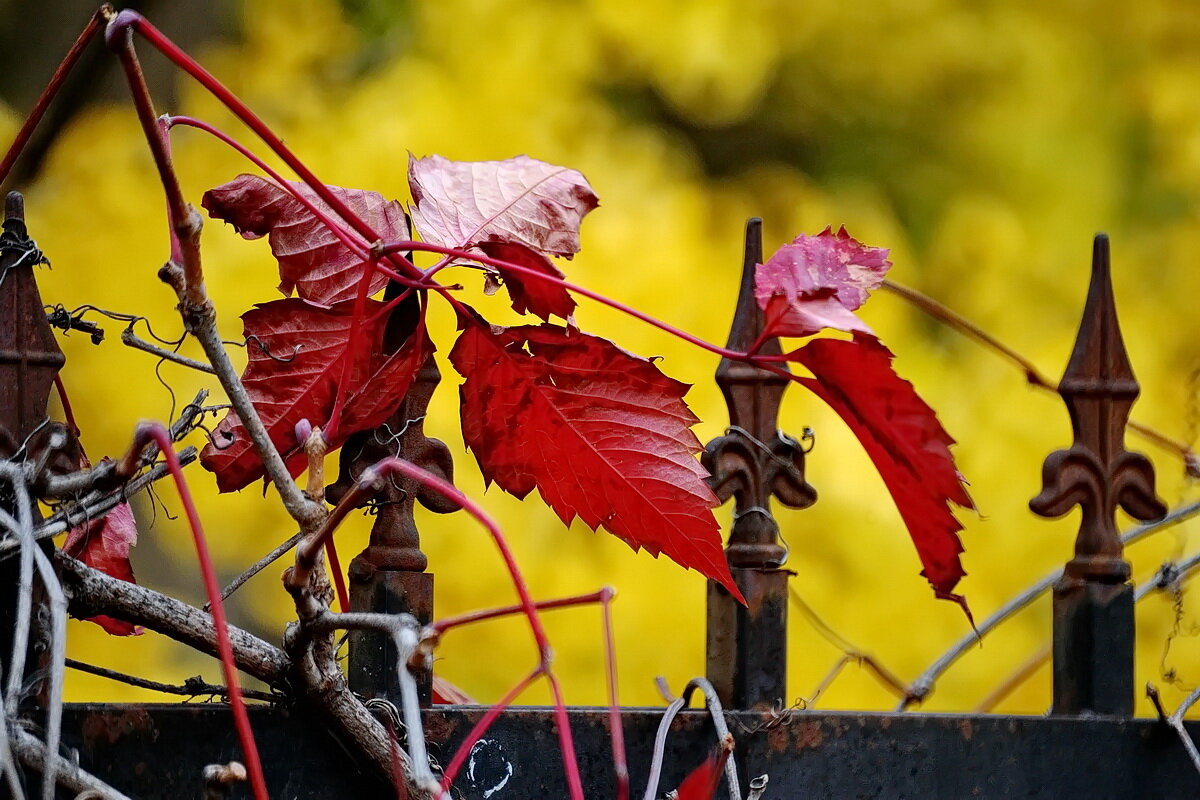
479,746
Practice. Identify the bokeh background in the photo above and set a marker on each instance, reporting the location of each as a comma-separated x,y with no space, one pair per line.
984,143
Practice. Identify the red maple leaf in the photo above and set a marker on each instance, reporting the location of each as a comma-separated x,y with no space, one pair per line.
519,201
818,282
904,439
602,434
104,544
541,298
296,354
312,260
702,782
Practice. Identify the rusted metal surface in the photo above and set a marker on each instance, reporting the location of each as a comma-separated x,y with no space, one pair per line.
753,462
29,360
29,355
159,751
390,576
1093,603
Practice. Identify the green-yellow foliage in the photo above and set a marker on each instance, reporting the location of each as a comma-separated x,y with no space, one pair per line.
983,142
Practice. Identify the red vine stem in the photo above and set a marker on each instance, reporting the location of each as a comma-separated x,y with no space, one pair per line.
131,20
339,579
306,555
442,625
146,433
476,733
61,388
51,91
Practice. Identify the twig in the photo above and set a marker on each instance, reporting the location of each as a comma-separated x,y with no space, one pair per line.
1168,575
8,764
923,686
185,275
22,528
192,687
258,566
20,644
1176,721
370,482
33,754
1033,376
79,513
130,338
850,653
58,655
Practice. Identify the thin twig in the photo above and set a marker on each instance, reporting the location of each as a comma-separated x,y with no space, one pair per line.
1033,376
923,686
74,515
1176,722
192,687
850,653
130,338
1168,576
258,566
20,643
91,592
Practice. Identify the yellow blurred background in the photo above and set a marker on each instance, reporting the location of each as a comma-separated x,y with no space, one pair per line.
984,143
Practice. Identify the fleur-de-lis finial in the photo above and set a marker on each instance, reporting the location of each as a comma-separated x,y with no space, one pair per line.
1097,473
752,462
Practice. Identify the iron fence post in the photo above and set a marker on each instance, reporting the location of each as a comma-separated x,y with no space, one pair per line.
390,576
746,646
1093,602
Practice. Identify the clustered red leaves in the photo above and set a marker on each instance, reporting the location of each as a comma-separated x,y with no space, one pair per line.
602,434
818,282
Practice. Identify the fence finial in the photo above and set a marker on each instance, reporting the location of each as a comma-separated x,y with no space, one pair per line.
1093,602
752,462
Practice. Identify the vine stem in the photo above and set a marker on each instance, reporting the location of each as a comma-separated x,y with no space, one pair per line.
156,433
185,275
368,483
52,88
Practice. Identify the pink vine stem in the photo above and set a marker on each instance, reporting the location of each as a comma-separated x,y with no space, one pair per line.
307,551
153,432
605,597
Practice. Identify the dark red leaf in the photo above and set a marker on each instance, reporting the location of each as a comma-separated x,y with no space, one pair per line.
541,298
602,435
296,352
312,261
818,282
520,201
104,544
702,782
904,439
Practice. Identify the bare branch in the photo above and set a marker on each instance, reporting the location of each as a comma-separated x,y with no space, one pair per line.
923,686
91,592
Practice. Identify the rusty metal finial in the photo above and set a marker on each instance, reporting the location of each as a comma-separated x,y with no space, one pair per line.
389,575
753,462
29,355
1097,472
